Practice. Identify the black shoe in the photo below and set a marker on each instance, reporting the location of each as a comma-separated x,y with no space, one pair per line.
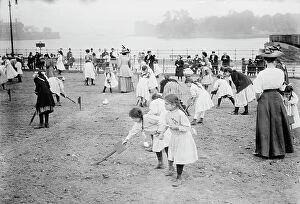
39,127
245,113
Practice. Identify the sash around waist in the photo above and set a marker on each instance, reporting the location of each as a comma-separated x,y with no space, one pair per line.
272,90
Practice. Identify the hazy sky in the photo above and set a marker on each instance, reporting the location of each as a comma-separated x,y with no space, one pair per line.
118,16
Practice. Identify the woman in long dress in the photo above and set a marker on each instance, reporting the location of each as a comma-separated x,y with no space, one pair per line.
273,137
179,63
60,64
49,64
125,75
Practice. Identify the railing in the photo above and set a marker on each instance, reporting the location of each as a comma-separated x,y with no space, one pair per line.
166,58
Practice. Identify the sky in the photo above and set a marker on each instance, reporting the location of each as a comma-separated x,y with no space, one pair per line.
102,17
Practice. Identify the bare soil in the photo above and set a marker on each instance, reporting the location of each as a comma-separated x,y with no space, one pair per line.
55,165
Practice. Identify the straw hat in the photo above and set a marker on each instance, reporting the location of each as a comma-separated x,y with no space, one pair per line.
270,52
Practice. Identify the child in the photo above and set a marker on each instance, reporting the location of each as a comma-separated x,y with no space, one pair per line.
57,87
290,100
182,147
3,77
110,80
223,89
157,108
145,123
142,87
207,78
201,98
18,66
45,103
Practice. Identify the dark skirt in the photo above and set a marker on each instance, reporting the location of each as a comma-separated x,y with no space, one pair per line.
179,72
45,101
273,137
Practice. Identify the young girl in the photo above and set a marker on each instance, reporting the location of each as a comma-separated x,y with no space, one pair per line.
157,108
45,102
182,147
110,80
223,89
201,98
142,87
147,123
290,100
207,78
57,87
3,77
89,69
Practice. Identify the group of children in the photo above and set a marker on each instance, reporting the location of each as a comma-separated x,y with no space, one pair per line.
171,131
169,127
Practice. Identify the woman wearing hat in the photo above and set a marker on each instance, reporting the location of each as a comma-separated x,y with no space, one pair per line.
125,76
273,137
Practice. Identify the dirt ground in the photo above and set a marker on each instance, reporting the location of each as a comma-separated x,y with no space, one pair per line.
54,165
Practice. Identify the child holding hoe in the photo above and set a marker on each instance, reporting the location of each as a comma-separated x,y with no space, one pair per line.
182,148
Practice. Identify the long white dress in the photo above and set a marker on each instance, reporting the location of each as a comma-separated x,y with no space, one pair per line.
142,87
223,88
125,75
89,69
56,85
60,64
10,71
292,109
203,101
110,80
3,76
157,107
152,79
182,147
18,65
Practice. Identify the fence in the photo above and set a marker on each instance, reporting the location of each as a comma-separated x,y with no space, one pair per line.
166,58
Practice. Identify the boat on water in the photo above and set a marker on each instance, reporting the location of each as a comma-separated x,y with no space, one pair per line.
21,32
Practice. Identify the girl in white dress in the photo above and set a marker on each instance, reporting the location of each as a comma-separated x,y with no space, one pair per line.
142,88
10,71
157,108
110,80
182,147
153,85
60,64
18,66
3,77
201,99
89,69
57,87
143,123
290,101
222,89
